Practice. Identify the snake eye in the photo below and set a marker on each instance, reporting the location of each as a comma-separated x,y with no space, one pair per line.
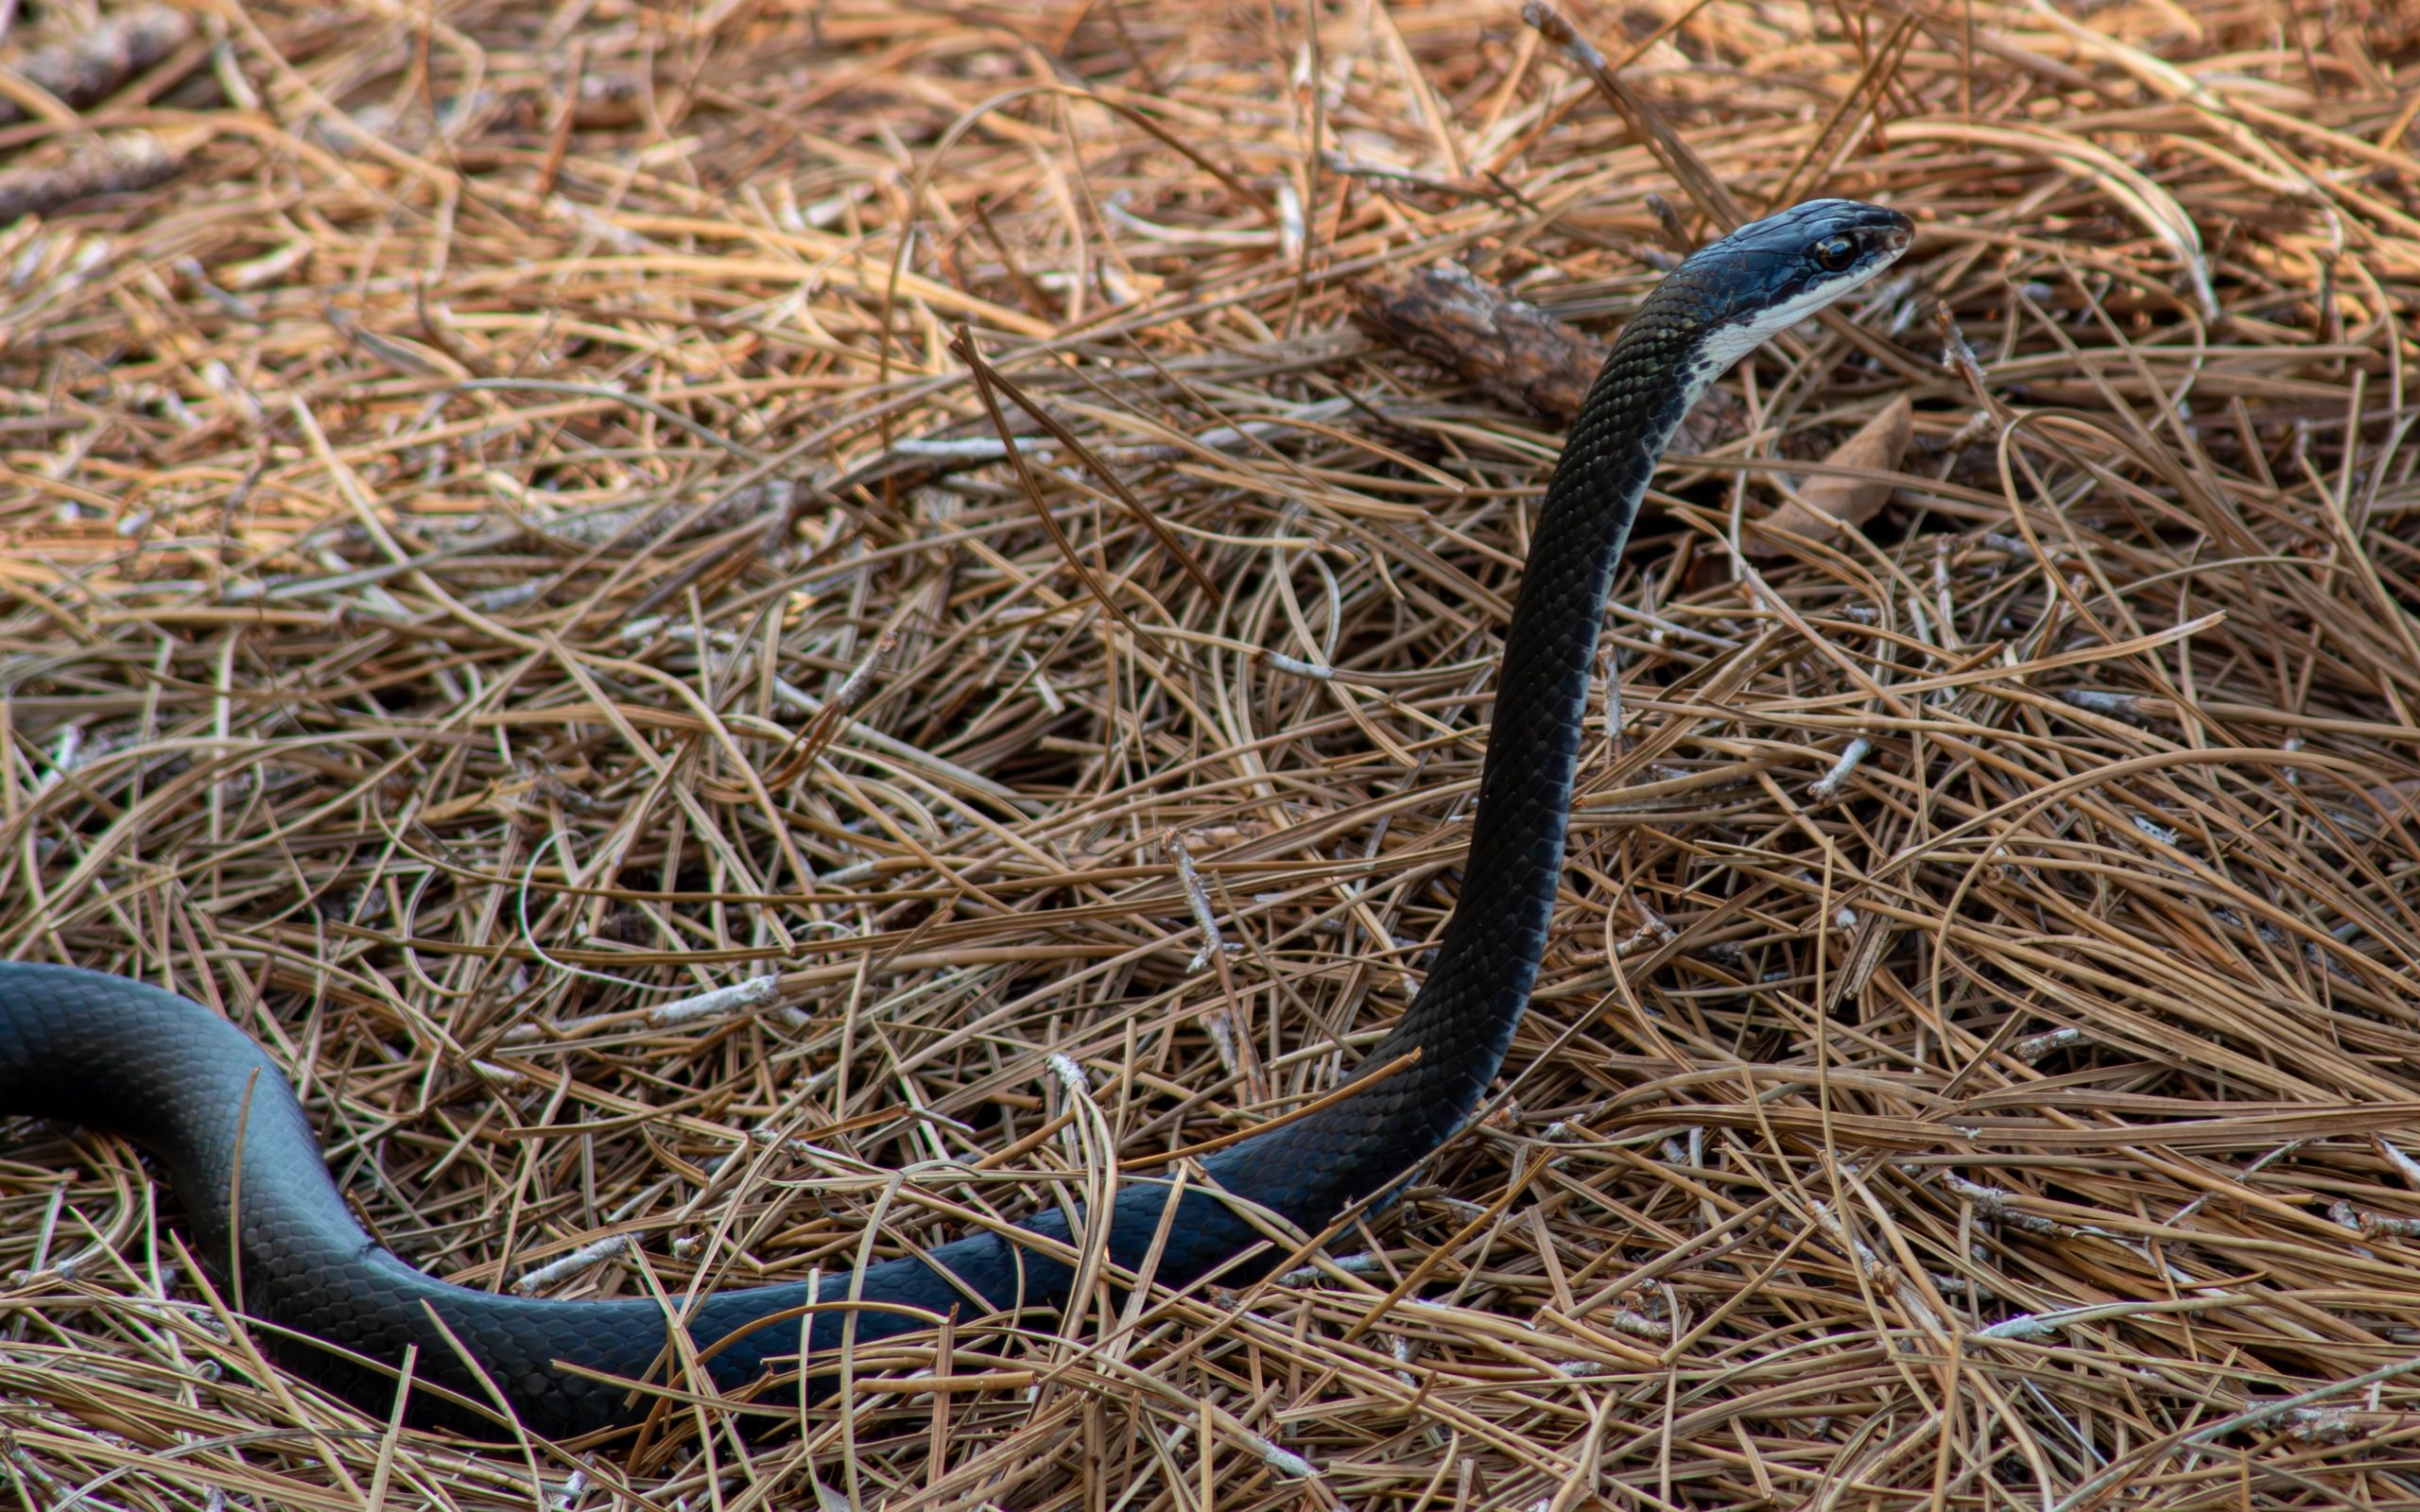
1833,254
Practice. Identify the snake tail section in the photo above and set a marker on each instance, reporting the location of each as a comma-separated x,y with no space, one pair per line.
170,1075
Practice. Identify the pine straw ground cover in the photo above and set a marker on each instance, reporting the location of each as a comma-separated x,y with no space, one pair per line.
499,543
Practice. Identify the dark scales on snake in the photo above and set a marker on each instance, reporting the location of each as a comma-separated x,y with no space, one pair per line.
174,1078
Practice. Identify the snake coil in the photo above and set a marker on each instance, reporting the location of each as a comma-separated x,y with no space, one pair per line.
174,1078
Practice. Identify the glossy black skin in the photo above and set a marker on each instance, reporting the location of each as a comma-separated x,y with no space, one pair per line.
167,1074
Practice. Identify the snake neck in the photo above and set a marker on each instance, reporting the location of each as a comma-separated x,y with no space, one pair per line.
1462,1020
1497,937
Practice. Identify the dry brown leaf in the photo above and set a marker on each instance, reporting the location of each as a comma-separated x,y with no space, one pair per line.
1827,502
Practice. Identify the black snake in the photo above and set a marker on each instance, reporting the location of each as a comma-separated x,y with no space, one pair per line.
183,1084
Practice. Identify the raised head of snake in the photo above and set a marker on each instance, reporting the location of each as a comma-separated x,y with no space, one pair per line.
122,1056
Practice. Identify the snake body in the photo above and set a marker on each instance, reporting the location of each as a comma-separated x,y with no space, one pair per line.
176,1079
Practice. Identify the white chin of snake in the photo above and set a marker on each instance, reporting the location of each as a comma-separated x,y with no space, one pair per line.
1733,341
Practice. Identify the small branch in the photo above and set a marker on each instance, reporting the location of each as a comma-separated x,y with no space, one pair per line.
99,64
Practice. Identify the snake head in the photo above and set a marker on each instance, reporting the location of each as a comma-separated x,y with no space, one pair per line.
1772,273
